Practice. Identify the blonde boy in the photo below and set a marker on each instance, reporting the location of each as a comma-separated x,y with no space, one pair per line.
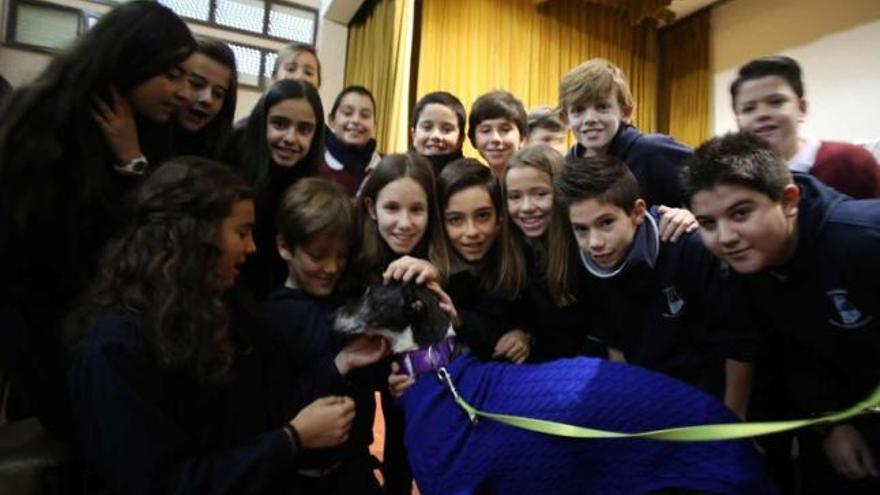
596,100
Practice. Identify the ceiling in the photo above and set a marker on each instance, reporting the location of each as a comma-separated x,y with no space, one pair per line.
684,8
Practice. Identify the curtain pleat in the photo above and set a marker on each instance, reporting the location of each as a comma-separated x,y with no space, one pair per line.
469,47
685,80
379,54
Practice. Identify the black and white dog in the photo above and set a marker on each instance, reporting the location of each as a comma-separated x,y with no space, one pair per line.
451,455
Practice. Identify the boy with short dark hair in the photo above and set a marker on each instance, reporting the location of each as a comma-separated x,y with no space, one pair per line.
497,128
768,99
805,257
598,104
653,299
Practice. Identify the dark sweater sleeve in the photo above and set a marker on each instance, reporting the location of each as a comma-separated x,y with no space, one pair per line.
658,158
138,448
305,335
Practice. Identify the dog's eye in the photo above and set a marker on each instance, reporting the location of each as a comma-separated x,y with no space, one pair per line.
417,306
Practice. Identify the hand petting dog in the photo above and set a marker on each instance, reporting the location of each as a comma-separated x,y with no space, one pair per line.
361,351
398,381
409,269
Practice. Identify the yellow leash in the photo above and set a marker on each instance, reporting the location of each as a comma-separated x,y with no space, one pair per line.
699,433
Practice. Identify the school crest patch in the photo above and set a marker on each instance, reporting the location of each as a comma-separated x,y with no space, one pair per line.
674,302
848,315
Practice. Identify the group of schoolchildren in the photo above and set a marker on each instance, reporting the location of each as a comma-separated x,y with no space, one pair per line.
734,267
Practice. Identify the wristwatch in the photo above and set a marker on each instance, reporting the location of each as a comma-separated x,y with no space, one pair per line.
137,166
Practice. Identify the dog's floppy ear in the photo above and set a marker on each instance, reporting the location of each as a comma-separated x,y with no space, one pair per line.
430,323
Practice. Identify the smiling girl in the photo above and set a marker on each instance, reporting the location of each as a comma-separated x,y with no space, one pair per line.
401,235
556,319
202,127
488,268
282,142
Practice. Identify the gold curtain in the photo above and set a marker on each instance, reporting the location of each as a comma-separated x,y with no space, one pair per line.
685,80
379,54
637,9
469,47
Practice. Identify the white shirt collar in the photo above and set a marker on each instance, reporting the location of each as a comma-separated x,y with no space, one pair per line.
804,159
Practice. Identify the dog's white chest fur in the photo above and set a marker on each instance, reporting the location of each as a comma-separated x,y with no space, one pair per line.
403,341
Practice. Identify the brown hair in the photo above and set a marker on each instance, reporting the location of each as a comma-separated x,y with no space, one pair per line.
604,178
497,105
507,266
593,80
560,272
313,207
740,159
161,269
546,118
293,49
372,251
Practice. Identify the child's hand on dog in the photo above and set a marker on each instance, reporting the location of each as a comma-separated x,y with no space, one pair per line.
361,351
398,382
408,269
325,422
513,346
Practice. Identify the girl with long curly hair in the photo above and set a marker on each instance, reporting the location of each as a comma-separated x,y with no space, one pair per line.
178,384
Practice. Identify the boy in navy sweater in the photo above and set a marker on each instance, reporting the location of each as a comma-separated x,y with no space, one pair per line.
653,297
315,225
805,257
598,104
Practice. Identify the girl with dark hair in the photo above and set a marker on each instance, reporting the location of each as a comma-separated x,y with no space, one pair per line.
178,386
401,239
400,221
282,142
487,268
62,190
203,127
438,128
351,142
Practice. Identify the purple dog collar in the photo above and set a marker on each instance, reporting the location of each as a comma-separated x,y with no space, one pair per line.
427,360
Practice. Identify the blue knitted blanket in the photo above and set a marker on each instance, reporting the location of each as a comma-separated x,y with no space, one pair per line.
451,456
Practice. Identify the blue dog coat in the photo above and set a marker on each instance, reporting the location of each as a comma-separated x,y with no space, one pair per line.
451,456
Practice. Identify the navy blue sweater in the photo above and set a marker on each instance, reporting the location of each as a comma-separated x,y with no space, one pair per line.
145,428
654,159
660,307
484,316
824,303
557,331
305,323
